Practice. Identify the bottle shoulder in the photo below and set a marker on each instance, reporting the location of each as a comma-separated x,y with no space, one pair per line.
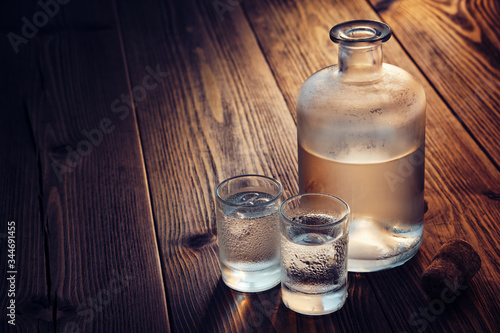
327,89
329,79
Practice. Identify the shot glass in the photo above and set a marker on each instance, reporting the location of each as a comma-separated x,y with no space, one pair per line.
314,238
248,232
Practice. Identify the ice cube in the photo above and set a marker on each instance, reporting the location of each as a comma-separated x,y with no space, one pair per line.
248,198
260,201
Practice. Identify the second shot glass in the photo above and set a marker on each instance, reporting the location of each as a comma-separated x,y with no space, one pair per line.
314,238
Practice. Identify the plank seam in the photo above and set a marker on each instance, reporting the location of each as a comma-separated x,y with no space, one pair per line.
146,173
370,282
256,37
51,300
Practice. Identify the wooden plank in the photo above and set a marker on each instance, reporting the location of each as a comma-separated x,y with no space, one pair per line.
462,197
457,46
20,203
103,262
218,114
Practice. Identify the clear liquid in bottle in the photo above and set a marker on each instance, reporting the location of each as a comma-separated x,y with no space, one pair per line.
386,200
361,137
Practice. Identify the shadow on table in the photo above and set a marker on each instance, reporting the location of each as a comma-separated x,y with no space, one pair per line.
233,311
400,293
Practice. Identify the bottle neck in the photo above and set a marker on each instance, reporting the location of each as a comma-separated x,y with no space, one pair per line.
360,63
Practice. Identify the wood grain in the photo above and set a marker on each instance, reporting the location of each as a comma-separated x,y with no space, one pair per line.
219,114
20,202
456,45
102,239
103,269
461,182
198,91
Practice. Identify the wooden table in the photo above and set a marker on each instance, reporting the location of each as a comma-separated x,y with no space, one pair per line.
118,119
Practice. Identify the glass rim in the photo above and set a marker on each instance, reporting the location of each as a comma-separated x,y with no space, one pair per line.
276,197
341,220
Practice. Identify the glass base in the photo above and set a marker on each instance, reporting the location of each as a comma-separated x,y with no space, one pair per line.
314,304
251,281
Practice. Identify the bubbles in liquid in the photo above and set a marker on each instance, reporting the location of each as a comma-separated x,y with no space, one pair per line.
314,219
249,232
313,261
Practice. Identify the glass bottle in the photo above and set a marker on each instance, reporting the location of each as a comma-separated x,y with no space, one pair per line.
361,134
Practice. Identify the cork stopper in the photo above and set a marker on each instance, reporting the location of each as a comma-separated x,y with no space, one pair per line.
451,269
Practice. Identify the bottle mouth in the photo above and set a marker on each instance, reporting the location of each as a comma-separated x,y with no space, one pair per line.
360,31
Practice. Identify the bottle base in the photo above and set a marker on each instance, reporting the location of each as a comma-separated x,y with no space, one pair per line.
374,248
365,266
